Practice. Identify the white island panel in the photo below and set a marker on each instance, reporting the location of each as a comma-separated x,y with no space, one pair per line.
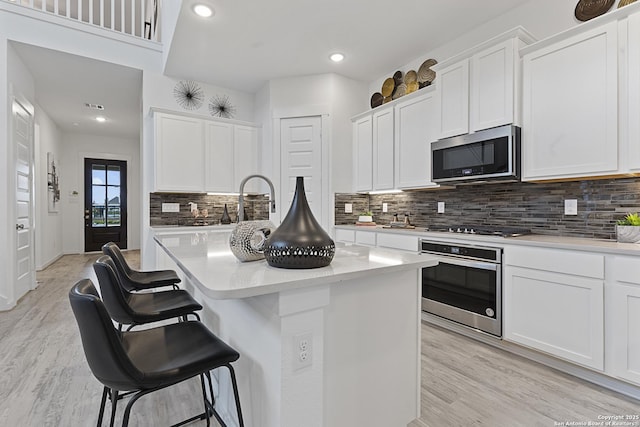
363,316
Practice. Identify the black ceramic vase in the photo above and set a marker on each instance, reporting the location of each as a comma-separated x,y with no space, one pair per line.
225,219
299,242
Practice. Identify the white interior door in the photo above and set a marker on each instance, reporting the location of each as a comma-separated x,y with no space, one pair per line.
301,150
23,140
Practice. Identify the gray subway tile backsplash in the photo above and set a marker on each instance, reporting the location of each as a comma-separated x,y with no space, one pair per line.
256,207
538,206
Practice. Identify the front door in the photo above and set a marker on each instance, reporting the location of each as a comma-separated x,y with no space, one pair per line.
23,140
105,206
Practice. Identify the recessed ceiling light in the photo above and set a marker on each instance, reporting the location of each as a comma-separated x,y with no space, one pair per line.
101,119
203,10
336,57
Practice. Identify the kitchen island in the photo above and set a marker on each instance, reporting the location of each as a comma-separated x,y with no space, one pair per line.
333,346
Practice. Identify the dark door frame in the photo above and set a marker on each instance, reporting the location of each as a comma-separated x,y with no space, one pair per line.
116,234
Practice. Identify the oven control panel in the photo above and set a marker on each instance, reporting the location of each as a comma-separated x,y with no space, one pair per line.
464,251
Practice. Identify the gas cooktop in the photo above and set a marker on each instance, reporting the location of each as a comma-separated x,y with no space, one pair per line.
486,230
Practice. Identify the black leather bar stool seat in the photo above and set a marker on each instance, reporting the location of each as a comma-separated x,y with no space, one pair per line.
134,280
128,308
144,361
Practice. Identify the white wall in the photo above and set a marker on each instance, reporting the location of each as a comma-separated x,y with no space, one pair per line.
542,18
160,95
77,147
49,230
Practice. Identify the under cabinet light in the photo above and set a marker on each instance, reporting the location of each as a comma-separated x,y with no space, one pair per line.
385,192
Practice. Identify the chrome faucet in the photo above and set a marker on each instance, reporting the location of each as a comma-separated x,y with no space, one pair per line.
272,197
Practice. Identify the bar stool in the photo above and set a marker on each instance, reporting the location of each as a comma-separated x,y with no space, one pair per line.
134,280
129,308
141,362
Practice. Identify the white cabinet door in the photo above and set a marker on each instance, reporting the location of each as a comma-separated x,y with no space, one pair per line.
245,158
383,150
492,87
367,238
415,129
560,314
623,323
363,154
346,236
219,155
179,160
453,99
633,92
570,107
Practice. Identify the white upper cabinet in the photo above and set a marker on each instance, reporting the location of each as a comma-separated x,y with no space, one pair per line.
415,124
453,99
570,106
363,153
632,118
179,164
492,98
478,89
219,155
245,158
383,141
197,154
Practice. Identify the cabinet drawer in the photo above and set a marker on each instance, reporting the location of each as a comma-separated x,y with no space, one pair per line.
367,238
560,261
395,241
348,236
626,269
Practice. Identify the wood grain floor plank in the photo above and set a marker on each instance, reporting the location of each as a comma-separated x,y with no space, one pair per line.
45,380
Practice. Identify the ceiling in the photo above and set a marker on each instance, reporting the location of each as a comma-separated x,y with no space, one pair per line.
248,42
65,83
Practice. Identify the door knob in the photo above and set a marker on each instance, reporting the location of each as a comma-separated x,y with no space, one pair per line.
19,226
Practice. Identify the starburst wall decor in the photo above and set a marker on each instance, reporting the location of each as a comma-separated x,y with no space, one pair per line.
220,106
188,95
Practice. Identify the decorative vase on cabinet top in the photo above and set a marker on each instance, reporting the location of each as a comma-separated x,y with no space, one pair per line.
299,242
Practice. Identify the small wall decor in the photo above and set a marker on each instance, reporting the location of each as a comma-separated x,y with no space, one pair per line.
53,184
188,94
625,3
589,9
403,84
220,106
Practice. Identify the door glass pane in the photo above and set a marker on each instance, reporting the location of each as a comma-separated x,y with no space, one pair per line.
113,175
99,194
98,174
113,206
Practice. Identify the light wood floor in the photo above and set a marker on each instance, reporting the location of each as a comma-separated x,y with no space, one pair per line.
45,381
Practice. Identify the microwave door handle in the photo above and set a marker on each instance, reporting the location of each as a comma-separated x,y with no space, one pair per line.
470,263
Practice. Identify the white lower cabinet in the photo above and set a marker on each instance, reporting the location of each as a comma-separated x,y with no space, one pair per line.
557,309
367,238
622,319
398,241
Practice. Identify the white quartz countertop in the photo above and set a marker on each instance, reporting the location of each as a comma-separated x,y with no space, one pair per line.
539,240
205,257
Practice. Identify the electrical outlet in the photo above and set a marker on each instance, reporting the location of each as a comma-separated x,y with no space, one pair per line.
440,207
302,351
171,207
571,207
385,207
348,208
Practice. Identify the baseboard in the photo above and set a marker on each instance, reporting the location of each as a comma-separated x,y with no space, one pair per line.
6,305
583,373
48,263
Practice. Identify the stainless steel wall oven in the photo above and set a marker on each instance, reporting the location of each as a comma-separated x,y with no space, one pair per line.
466,285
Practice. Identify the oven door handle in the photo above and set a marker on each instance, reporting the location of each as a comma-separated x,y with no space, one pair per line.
469,263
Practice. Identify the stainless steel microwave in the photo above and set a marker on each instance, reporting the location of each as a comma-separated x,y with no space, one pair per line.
487,155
